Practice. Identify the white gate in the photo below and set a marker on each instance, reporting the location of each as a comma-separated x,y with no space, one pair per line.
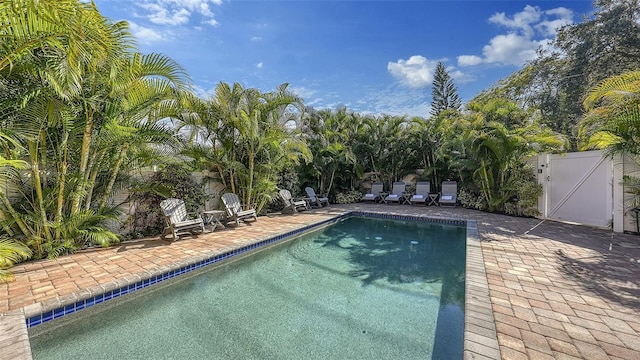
577,187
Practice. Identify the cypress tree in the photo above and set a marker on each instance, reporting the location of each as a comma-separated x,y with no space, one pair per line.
444,92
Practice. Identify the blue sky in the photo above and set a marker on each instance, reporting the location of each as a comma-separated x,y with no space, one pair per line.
374,57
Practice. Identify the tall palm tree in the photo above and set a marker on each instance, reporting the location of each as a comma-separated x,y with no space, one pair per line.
498,152
243,136
64,110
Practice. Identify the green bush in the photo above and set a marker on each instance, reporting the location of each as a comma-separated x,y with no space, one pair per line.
348,197
524,201
472,200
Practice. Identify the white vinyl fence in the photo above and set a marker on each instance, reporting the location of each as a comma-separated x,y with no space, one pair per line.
586,188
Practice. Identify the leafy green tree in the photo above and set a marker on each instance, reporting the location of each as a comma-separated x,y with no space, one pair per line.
78,103
583,54
497,153
245,137
444,92
328,139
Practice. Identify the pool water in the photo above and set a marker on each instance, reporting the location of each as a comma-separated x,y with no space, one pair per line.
359,289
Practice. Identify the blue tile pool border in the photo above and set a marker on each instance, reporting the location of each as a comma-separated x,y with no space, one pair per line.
56,313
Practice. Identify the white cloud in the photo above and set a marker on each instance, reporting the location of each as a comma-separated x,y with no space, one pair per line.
143,34
256,38
521,21
529,30
394,100
304,93
550,27
510,49
469,60
417,72
259,65
212,22
460,77
179,12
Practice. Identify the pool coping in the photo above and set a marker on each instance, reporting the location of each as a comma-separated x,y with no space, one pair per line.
480,336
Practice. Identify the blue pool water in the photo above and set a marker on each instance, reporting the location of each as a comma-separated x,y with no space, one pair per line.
360,289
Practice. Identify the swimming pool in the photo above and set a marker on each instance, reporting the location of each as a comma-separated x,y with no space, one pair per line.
358,289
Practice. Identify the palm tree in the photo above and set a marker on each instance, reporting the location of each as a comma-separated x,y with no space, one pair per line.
612,122
243,136
11,252
328,136
613,119
74,114
498,152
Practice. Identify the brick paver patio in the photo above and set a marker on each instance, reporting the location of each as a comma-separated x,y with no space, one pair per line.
557,291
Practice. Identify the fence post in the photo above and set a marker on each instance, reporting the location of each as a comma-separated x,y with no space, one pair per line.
618,193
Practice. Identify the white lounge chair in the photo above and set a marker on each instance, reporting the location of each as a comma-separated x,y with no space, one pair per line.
422,193
290,204
374,193
396,192
449,193
316,200
234,209
178,220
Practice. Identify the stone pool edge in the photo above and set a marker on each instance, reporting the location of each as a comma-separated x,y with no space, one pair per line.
480,336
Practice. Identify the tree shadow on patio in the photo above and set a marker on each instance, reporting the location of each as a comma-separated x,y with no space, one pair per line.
612,277
142,244
597,260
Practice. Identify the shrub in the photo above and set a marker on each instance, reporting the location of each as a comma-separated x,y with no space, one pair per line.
472,200
348,197
526,201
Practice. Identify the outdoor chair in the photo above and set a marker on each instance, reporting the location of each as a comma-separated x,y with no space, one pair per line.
423,188
290,204
396,192
234,209
449,193
178,220
374,193
316,200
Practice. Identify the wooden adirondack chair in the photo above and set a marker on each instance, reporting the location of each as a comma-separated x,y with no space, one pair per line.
290,204
234,209
316,200
178,220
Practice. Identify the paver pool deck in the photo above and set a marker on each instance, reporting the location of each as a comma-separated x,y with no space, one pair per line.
556,291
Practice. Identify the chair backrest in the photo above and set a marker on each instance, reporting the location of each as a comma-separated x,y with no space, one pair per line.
231,203
286,196
398,187
311,193
449,188
423,188
377,188
174,210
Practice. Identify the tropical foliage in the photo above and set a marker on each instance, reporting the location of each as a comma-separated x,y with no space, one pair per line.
612,122
246,137
81,111
581,56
